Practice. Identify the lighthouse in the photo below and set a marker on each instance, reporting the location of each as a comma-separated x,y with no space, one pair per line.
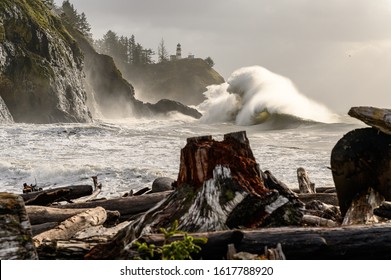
178,51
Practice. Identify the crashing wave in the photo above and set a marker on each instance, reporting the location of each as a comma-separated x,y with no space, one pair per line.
254,95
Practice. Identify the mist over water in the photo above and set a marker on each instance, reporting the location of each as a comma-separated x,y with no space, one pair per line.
254,95
129,153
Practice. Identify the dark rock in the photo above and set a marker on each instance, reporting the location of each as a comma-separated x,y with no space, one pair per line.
360,160
165,106
162,184
41,66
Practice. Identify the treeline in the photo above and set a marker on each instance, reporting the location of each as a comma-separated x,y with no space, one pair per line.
123,49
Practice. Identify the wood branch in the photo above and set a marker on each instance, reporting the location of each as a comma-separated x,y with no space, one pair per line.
126,206
305,184
298,243
69,227
323,210
63,193
15,230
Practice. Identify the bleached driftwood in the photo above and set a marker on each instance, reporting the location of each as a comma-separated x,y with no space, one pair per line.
305,184
71,226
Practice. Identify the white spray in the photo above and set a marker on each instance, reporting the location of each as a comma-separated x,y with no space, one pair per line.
252,94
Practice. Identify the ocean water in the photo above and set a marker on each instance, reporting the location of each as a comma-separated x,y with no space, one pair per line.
286,130
130,153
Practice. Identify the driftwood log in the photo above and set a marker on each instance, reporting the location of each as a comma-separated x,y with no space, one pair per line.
126,206
15,230
42,214
49,196
298,243
71,226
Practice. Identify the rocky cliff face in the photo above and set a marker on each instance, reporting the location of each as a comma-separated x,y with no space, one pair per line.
5,115
49,72
183,80
41,66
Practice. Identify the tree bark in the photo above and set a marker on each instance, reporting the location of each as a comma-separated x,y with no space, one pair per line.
15,229
360,160
69,227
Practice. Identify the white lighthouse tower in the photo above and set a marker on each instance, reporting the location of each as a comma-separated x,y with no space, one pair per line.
178,51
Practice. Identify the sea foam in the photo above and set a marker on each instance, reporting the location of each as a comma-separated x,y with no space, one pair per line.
254,95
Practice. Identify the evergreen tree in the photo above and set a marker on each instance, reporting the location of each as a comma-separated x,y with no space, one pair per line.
209,61
162,52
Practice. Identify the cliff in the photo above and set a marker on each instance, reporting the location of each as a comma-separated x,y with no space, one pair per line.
182,80
49,72
41,66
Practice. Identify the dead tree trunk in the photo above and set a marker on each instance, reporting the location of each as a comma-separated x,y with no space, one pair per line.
219,186
71,226
15,230
305,184
360,160
297,243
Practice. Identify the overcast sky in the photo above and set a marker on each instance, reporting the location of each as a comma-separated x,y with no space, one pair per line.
337,52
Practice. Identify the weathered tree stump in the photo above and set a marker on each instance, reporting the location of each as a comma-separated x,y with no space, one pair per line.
15,229
219,187
361,160
305,184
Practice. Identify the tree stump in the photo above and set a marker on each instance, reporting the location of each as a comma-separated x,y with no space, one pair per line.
361,160
219,187
15,229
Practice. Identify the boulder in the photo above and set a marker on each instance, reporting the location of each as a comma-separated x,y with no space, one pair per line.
162,184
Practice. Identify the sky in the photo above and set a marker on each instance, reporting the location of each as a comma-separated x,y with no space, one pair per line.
337,52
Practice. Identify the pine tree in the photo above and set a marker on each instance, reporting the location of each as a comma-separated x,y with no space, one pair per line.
162,52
